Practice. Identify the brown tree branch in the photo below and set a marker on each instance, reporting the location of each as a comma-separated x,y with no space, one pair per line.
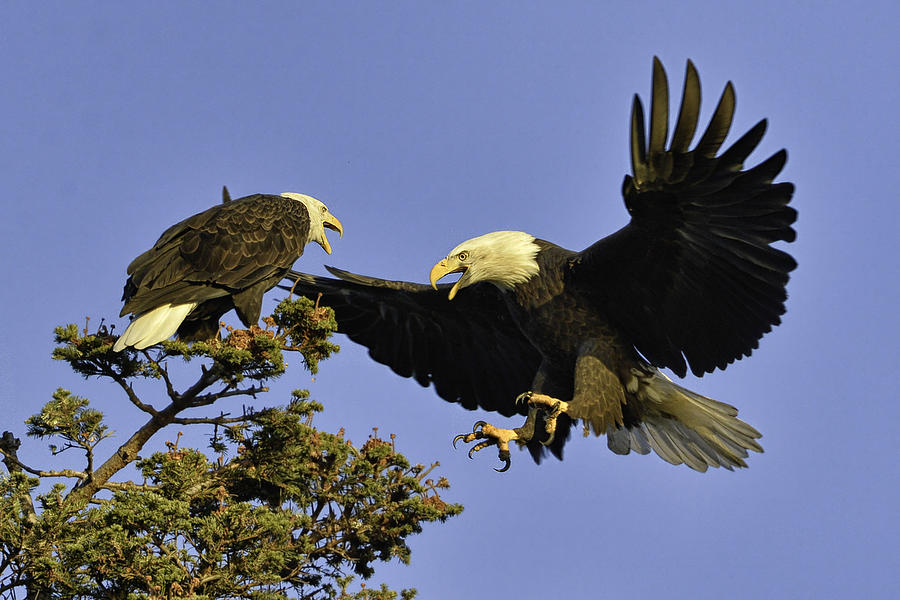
129,391
223,420
128,451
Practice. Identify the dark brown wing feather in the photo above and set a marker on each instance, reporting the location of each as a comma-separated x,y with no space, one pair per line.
468,348
693,279
238,246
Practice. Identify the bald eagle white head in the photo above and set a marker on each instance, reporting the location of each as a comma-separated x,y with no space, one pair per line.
504,258
319,219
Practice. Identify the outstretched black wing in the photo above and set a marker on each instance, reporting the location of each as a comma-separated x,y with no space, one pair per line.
240,246
693,278
469,348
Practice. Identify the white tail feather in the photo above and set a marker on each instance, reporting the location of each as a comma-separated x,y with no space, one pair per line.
154,326
683,427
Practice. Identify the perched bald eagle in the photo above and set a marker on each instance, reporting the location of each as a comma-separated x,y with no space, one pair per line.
533,328
225,257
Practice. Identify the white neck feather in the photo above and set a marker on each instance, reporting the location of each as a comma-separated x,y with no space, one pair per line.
504,258
314,208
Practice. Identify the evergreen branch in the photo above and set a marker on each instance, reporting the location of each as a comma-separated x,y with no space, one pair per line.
170,388
127,486
89,455
13,583
128,451
129,391
209,377
81,475
9,447
207,399
211,420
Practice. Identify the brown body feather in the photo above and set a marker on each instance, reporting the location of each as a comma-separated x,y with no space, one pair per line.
225,257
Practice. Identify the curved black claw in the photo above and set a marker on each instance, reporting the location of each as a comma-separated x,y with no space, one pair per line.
471,437
504,456
481,445
524,398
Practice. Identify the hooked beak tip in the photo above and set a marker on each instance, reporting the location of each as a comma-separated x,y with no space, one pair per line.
437,271
334,225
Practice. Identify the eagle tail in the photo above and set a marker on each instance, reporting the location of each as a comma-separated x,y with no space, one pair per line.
683,427
154,326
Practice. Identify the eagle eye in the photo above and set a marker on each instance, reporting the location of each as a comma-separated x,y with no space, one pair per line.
462,255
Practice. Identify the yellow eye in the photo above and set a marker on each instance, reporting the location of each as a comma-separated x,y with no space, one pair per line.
462,256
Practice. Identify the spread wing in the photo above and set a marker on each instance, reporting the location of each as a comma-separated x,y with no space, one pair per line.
693,279
226,249
469,348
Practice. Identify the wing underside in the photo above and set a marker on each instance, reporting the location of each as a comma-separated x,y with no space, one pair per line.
469,349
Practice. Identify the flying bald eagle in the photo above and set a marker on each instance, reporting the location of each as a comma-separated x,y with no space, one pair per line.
225,257
562,336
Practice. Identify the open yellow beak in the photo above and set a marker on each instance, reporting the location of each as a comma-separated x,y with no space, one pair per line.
331,222
442,269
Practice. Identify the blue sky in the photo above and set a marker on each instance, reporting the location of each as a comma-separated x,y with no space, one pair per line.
424,124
